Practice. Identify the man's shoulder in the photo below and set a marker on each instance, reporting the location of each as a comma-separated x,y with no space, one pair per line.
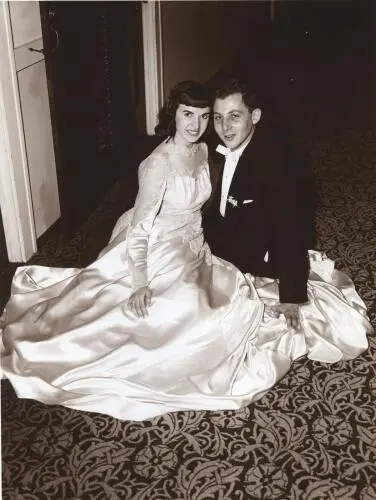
265,155
274,151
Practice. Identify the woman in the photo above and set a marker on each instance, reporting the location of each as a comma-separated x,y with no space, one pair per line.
157,323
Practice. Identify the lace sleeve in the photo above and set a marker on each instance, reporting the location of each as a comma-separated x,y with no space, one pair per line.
152,185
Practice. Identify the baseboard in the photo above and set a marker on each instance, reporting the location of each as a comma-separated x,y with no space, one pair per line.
53,232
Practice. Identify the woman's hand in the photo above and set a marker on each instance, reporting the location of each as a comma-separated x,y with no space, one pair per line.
139,301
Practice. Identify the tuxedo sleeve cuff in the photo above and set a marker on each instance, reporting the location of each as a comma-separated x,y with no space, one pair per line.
293,297
293,291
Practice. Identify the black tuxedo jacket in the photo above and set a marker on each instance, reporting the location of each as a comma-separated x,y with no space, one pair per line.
279,220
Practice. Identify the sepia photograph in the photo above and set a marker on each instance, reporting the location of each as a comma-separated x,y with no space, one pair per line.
188,249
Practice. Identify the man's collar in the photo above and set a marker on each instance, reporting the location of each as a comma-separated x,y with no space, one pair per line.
238,151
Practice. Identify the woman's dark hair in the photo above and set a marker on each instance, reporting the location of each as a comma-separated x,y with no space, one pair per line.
189,93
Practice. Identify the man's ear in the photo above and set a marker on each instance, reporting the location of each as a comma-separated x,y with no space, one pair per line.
256,115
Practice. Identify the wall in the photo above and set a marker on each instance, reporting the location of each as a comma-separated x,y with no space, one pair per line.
200,37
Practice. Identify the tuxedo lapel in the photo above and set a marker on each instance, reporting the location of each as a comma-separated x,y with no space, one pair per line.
217,171
250,165
216,164
243,174
243,182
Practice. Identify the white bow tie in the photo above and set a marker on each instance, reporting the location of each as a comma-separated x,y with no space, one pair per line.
231,156
223,150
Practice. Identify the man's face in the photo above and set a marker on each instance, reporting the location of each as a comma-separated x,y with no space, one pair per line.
232,120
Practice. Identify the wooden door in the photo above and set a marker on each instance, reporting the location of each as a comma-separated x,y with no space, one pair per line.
3,246
35,113
93,52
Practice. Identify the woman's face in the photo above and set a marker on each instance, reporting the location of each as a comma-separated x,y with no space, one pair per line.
191,123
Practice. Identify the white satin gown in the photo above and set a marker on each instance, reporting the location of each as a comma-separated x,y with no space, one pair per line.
208,342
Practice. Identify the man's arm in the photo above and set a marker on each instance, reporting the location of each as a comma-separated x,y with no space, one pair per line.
290,245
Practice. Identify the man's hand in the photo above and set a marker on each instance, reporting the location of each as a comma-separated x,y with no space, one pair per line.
290,312
139,301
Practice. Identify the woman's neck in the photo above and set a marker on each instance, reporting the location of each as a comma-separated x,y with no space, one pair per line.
184,148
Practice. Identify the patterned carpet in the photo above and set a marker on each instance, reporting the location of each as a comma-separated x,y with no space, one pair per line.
313,436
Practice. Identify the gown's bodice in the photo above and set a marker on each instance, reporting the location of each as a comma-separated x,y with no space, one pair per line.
167,209
180,211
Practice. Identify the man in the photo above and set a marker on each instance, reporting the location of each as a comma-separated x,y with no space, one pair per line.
261,213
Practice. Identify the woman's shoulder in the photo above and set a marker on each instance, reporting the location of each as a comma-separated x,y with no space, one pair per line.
156,162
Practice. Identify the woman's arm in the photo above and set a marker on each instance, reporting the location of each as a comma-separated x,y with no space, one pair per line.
152,185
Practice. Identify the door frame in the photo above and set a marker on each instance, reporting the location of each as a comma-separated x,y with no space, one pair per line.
15,193
153,61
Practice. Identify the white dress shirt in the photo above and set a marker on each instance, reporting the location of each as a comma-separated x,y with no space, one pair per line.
232,158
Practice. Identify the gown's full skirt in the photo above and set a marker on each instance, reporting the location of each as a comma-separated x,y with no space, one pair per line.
208,341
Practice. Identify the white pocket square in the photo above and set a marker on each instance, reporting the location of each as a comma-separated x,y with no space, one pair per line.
247,201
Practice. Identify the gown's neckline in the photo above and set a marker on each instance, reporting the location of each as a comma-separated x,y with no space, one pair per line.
194,175
183,149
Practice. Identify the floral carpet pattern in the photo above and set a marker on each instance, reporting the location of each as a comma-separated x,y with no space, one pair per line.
312,437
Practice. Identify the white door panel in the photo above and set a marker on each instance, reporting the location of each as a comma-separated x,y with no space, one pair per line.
39,145
24,57
35,112
26,25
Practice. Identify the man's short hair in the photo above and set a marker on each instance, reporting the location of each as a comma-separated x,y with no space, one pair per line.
234,85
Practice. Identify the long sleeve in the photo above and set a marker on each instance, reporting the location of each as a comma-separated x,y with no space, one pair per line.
291,247
152,185
288,189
